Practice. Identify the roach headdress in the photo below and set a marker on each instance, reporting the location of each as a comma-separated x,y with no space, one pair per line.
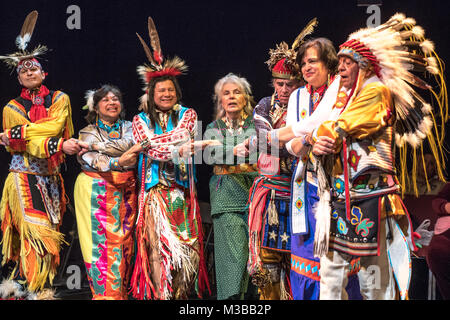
282,62
158,66
23,58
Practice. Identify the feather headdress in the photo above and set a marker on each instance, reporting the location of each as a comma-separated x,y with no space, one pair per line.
158,66
89,96
282,62
398,53
23,39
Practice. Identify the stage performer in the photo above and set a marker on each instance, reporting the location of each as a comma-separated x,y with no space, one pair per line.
37,129
269,215
318,62
169,258
378,107
307,109
105,194
233,175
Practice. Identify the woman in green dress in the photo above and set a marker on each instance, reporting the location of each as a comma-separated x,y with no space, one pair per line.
234,172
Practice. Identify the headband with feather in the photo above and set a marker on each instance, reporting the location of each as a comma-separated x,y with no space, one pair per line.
282,62
158,66
398,53
23,39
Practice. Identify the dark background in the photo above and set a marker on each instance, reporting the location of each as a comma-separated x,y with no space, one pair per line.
213,37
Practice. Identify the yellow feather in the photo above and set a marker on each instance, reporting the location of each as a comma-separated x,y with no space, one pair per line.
306,31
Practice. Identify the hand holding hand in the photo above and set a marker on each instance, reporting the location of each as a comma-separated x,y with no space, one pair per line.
84,146
323,146
4,141
137,148
129,157
186,150
71,146
202,144
241,150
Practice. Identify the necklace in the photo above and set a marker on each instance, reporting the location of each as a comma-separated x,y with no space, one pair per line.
277,111
234,126
112,131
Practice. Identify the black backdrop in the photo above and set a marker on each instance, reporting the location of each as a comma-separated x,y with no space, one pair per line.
214,38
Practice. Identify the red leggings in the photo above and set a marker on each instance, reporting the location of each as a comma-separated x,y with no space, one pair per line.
438,259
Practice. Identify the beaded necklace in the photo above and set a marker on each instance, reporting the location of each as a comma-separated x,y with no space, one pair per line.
114,131
235,127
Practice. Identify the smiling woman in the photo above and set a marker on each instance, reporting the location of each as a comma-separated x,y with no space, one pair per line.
109,108
106,104
105,194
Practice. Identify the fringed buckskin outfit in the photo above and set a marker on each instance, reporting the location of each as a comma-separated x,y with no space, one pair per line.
169,237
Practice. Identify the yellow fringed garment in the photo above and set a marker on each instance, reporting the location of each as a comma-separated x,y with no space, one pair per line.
29,238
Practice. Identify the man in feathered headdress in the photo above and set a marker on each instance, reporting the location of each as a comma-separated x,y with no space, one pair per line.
37,126
378,108
169,257
269,216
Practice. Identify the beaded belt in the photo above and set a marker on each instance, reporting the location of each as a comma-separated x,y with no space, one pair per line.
30,165
240,168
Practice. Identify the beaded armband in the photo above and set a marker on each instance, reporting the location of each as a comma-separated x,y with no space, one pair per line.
114,165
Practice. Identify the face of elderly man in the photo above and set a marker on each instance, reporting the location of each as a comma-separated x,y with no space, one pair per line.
284,88
348,70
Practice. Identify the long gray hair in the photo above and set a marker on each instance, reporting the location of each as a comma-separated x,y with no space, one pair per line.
243,84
